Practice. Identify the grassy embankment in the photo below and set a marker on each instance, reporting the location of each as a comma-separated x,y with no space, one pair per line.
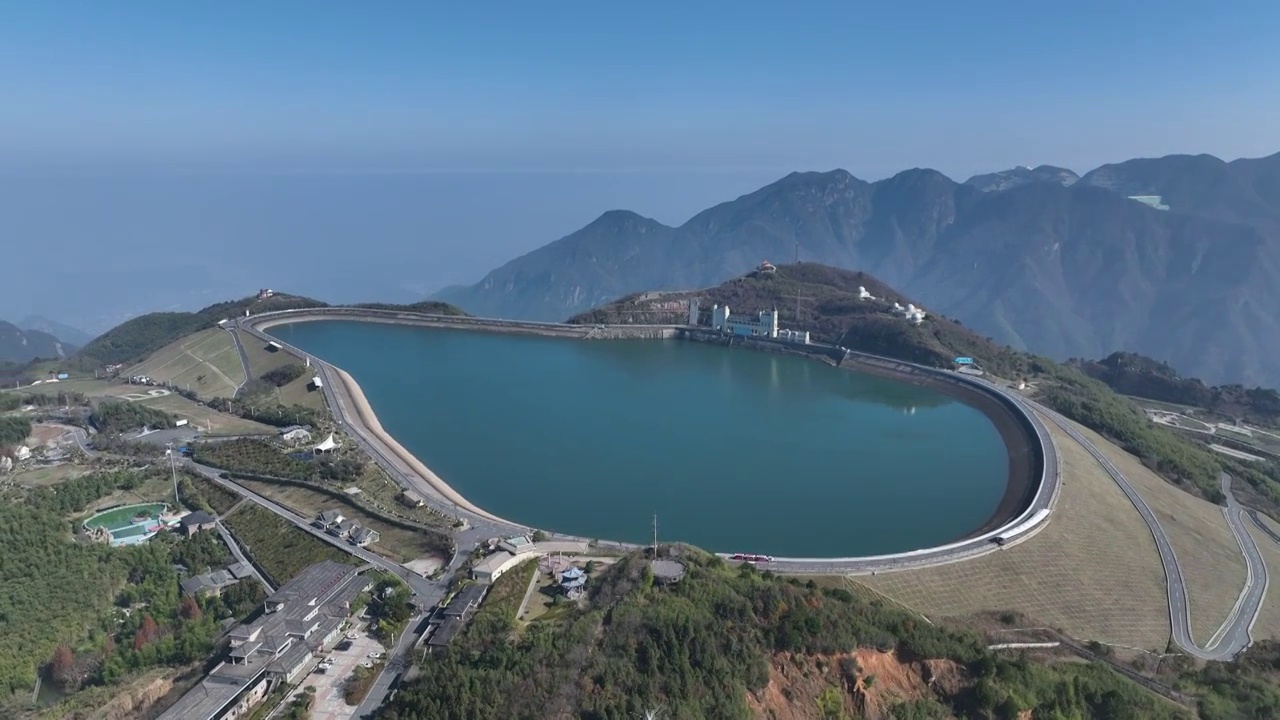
278,547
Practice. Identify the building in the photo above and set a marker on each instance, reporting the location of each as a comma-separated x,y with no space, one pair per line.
408,498
762,324
666,572
265,293
573,582
213,583
342,528
516,545
693,312
800,337
910,313
328,446
316,383
303,617
296,434
864,295
328,518
450,620
194,522
489,569
362,536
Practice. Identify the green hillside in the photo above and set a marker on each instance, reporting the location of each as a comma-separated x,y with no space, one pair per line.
728,642
135,339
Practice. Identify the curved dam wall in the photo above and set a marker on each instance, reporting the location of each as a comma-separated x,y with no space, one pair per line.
1032,465
1032,474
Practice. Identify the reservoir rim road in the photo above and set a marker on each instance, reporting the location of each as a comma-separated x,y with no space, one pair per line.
1029,473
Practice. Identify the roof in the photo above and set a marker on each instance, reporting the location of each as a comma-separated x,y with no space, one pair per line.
467,599
572,573
444,634
199,517
240,570
330,516
362,533
328,444
573,583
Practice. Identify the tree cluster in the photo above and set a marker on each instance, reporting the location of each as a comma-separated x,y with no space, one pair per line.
283,375
699,647
115,416
64,603
259,457
13,430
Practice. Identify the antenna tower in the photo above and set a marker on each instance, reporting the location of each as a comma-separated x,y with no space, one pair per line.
797,252
798,297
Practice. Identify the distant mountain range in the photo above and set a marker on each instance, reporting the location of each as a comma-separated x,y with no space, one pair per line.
1035,258
67,334
20,346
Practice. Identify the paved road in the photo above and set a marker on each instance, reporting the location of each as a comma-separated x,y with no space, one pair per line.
240,557
415,581
1234,632
244,359
1235,637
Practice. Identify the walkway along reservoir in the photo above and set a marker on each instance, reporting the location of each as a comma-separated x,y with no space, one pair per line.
735,450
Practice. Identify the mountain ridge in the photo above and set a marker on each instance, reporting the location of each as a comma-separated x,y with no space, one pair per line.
19,346
1064,269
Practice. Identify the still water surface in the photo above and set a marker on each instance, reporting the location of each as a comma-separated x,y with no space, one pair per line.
735,450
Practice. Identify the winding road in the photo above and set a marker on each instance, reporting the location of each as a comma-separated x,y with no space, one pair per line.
1233,637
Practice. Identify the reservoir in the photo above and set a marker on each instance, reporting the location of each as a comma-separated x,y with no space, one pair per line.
735,450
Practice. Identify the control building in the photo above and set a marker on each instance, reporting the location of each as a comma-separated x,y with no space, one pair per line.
762,324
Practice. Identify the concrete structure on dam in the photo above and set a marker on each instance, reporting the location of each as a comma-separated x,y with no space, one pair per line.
1032,492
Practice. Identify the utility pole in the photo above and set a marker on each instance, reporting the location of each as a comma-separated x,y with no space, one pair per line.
797,252
177,502
655,536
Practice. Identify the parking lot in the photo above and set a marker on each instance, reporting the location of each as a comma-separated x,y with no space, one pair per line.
329,704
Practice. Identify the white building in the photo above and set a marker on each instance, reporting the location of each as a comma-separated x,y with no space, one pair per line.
864,295
693,311
763,324
910,313
800,337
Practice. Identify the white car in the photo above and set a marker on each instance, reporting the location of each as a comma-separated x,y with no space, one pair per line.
375,655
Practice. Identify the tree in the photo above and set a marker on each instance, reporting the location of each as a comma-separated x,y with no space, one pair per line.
189,609
148,632
63,665
108,647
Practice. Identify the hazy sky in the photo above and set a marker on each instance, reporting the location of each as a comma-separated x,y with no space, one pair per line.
453,136
873,87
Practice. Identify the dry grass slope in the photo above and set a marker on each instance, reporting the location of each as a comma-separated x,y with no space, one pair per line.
206,362
1207,550
262,360
1093,571
209,421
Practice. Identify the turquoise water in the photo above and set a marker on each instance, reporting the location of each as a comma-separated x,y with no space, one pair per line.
121,518
735,450
124,531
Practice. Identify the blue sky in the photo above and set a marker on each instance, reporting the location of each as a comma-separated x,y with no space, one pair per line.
249,144
413,86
